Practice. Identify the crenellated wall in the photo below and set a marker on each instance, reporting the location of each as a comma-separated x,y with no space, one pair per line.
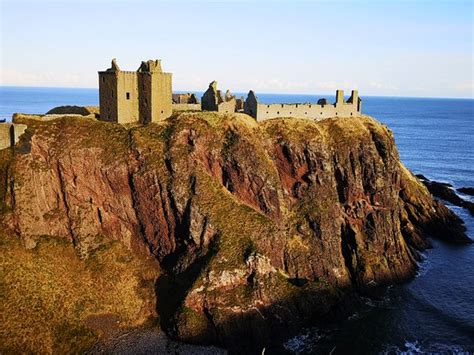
135,96
317,111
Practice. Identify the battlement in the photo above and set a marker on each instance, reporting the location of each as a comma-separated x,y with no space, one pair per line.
135,96
146,96
317,111
150,66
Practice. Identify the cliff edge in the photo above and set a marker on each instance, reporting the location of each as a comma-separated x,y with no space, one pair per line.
257,228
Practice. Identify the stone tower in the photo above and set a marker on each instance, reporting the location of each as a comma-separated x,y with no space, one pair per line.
154,88
135,96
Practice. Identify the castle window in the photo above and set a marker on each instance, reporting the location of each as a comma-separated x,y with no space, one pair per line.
161,111
306,113
267,111
127,95
103,79
278,112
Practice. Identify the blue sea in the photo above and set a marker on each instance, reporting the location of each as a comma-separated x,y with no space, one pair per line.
434,312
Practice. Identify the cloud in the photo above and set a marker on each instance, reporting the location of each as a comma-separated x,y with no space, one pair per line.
382,86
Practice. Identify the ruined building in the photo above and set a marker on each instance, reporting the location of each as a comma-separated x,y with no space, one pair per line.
186,102
10,134
212,100
320,110
187,98
145,96
135,96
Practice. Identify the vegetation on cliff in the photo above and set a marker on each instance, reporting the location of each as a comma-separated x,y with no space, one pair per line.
257,228
52,301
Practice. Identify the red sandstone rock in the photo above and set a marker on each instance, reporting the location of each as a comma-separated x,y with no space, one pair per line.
260,227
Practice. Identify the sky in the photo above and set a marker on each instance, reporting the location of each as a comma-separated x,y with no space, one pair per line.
387,48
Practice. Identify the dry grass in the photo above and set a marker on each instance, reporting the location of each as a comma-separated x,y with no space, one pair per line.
48,293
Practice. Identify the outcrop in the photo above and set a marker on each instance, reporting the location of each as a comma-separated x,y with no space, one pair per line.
258,228
446,192
74,110
467,190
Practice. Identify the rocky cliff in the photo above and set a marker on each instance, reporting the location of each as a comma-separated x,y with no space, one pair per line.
257,228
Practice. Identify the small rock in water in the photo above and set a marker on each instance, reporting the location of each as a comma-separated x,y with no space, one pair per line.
467,190
445,192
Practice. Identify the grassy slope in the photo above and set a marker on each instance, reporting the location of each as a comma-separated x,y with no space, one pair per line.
48,293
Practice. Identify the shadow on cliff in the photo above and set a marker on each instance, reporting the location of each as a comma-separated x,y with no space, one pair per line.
255,327
172,287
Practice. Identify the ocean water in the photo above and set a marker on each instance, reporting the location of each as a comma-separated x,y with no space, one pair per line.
434,312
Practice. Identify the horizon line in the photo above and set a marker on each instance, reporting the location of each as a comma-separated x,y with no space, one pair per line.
260,92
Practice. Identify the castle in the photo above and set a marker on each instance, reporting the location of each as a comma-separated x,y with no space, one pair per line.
317,111
142,96
145,96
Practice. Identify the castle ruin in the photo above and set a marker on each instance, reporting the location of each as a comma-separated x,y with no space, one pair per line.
141,96
186,102
10,134
145,96
212,100
317,111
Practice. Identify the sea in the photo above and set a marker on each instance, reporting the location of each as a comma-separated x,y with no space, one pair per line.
432,313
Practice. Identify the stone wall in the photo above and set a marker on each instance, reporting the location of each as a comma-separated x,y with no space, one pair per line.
145,103
212,100
315,111
127,97
135,96
185,99
186,107
227,106
161,96
5,135
18,130
10,134
108,96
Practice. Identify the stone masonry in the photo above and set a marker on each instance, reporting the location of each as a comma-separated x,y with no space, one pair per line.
10,134
186,102
142,96
317,111
212,100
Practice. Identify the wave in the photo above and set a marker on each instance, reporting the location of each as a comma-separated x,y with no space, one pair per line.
417,347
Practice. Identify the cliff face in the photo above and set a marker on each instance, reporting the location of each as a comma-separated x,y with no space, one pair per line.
257,227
